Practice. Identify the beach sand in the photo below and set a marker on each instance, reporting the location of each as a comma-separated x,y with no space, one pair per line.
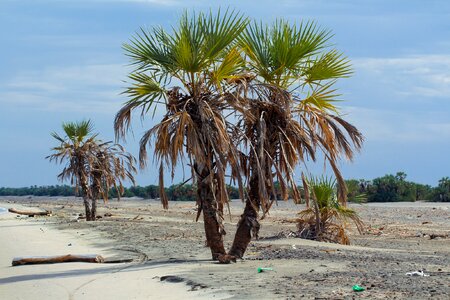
24,236
403,237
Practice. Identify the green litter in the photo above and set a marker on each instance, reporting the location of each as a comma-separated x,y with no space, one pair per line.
358,288
264,269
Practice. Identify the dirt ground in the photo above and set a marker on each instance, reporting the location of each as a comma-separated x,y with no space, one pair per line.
400,238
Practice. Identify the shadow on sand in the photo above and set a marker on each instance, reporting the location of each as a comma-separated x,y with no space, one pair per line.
102,269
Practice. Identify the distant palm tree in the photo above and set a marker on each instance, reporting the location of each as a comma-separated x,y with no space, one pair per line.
290,113
92,166
185,72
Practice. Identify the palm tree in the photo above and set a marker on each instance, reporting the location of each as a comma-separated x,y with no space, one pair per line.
290,97
91,165
186,72
327,219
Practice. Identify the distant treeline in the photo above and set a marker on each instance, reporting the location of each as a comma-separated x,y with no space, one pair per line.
394,188
175,192
389,188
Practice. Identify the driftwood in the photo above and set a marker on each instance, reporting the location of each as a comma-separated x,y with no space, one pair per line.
30,213
31,260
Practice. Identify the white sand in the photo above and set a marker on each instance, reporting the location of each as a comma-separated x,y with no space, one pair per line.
27,237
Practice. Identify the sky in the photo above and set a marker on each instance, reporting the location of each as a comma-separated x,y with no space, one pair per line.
62,61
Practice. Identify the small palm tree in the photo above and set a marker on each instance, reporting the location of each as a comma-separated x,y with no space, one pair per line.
92,166
327,219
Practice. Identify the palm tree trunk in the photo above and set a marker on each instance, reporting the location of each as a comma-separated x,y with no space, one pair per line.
90,207
248,224
95,191
213,229
318,221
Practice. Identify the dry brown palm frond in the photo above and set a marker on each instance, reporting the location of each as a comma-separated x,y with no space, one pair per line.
195,128
276,141
331,134
112,166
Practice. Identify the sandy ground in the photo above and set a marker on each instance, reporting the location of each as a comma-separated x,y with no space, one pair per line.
401,237
26,237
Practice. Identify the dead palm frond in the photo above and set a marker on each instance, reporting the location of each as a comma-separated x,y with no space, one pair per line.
112,166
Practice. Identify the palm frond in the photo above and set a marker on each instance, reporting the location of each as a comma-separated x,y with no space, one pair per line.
330,65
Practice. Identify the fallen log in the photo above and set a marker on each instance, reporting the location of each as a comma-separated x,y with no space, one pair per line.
31,260
30,213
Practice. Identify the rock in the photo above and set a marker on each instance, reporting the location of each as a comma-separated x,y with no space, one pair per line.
171,278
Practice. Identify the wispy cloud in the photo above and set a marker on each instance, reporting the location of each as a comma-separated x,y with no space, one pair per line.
420,75
93,88
396,127
155,2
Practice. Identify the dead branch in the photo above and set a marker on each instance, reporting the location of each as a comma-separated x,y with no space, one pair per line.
17,261
30,213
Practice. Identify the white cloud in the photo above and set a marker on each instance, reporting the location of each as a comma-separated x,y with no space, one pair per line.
156,2
397,127
419,75
93,88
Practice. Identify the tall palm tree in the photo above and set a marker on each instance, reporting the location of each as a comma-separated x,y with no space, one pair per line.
186,72
292,116
91,165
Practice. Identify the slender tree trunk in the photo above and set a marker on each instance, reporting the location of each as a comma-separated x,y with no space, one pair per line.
318,221
213,228
95,191
93,216
248,225
90,206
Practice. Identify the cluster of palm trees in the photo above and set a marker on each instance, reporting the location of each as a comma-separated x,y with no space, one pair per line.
243,101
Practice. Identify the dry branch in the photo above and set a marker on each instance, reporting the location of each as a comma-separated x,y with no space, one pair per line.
91,258
30,213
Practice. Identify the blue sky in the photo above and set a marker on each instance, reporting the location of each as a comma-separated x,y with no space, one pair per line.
62,61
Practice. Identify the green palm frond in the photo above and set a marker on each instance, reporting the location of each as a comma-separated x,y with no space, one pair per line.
221,31
323,190
278,53
196,44
322,97
78,131
150,50
330,65
145,90
228,68
143,85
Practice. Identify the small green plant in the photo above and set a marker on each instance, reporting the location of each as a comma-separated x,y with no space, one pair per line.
326,219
